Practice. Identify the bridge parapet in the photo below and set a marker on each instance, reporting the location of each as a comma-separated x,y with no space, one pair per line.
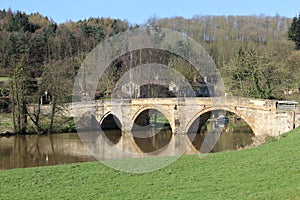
260,104
233,101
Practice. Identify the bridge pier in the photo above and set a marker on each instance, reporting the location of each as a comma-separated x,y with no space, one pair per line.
127,145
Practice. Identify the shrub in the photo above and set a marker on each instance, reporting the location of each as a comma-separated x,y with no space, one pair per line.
4,105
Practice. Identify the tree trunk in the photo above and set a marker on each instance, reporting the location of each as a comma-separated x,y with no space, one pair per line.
52,114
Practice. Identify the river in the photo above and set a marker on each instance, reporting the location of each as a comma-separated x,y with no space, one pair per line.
33,150
43,150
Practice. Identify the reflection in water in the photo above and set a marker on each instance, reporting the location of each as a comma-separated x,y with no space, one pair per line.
32,150
151,131
234,135
111,127
29,151
154,142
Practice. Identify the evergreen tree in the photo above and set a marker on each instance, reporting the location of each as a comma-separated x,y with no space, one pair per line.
292,29
297,34
294,32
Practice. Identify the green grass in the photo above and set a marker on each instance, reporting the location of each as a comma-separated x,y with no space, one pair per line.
160,118
4,79
6,123
271,171
61,124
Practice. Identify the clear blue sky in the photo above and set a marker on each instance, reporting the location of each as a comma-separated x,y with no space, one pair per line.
138,11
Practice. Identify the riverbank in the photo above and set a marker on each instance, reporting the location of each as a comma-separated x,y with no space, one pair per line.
61,125
6,124
270,171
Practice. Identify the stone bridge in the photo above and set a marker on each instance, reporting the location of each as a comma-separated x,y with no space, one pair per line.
270,117
265,117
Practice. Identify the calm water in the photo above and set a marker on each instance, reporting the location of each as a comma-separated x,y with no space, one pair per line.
30,151
232,137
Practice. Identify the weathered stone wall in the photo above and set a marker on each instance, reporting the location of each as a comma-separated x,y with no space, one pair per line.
261,115
297,117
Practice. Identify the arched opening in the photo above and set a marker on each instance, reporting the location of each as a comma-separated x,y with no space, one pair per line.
236,133
112,128
151,131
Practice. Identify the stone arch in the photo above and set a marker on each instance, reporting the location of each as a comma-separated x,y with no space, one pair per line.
196,140
227,108
163,111
149,139
104,116
111,126
110,115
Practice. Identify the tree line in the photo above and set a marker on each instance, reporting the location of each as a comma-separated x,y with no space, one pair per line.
42,56
254,54
257,56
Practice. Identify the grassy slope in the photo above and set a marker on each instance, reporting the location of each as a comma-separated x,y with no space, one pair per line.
269,171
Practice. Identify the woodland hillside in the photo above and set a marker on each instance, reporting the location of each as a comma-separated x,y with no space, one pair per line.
254,54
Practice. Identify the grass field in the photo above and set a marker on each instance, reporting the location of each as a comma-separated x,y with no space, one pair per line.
6,123
4,79
271,171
